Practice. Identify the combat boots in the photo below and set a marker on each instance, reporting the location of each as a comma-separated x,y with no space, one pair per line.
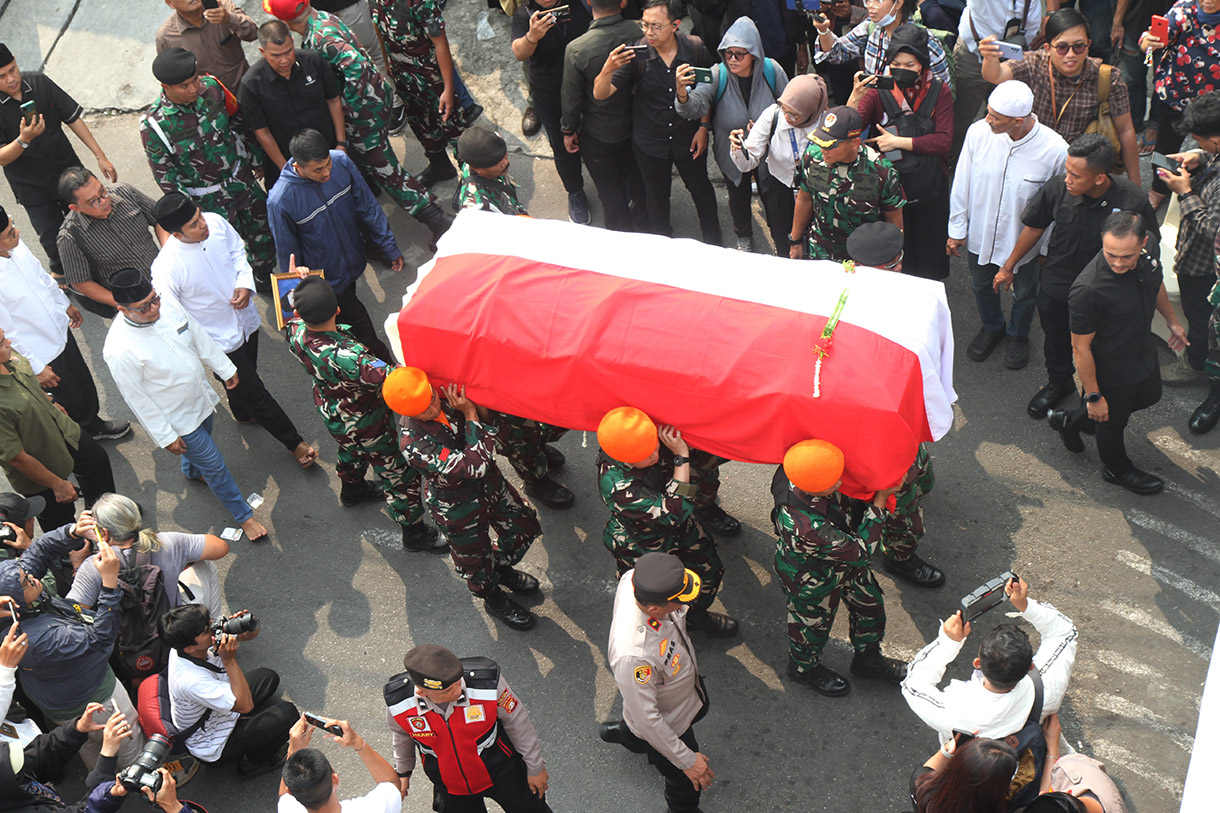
717,625
500,606
419,538
437,220
871,664
355,493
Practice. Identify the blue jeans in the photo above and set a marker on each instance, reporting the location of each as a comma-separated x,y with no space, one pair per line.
1024,297
1135,74
202,459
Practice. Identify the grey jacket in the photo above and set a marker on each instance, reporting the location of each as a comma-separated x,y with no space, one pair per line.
731,112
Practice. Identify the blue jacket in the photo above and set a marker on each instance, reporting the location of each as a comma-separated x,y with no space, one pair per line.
322,223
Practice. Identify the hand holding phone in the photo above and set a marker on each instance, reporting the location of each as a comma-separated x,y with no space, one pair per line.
1010,51
29,109
1164,162
884,83
560,13
319,722
703,76
1159,28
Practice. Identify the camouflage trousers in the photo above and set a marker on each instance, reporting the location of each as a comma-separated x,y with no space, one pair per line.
705,471
245,207
420,86
524,442
903,526
690,543
467,525
813,588
368,145
402,484
1212,365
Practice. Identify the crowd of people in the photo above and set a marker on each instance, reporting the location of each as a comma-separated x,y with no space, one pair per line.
859,129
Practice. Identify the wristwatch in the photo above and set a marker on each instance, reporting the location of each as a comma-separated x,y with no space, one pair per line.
341,144
679,460
23,144
796,241
1092,397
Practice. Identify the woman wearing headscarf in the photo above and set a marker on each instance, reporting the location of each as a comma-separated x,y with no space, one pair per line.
914,129
744,84
776,141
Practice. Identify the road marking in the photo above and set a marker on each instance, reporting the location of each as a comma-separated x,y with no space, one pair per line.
1145,565
1123,663
1140,618
746,657
1120,758
1199,544
1208,505
1125,708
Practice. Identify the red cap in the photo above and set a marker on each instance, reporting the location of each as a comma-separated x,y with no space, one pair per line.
286,9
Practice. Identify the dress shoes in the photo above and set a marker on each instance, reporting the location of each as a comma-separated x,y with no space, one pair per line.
1060,421
1203,419
1134,480
420,538
554,458
364,491
1047,398
916,571
982,345
530,123
517,580
821,680
872,665
500,606
617,732
717,625
550,493
714,520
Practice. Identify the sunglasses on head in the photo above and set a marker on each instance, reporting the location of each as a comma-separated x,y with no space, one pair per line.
1075,48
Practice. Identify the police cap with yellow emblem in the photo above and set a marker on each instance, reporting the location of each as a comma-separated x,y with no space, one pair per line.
432,667
840,124
659,578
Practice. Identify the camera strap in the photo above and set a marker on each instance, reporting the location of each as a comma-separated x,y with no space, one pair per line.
211,667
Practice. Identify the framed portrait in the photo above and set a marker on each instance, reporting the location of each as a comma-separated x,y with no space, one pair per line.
282,285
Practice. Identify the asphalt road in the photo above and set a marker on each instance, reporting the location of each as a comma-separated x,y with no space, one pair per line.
340,604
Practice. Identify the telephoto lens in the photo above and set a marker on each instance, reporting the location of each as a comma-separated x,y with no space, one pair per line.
237,624
143,772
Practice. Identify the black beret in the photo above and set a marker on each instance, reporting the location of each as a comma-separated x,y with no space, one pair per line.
6,56
875,244
174,211
432,667
173,66
481,148
314,300
660,578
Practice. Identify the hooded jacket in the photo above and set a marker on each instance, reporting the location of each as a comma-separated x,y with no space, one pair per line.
731,112
324,224
44,761
67,661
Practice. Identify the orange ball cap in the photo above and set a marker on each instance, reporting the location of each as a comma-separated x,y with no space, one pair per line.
406,391
814,465
627,435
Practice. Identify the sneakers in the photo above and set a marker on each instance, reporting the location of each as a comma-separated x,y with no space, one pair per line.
356,493
510,612
398,117
419,538
183,769
820,679
717,625
530,123
872,665
1016,354
716,521
578,208
110,430
982,345
745,243
550,493
1180,373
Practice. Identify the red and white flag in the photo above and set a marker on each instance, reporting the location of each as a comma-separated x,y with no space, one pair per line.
561,323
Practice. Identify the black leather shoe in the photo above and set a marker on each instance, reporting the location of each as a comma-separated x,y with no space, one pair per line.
872,665
262,283
440,168
982,345
248,768
517,580
554,458
420,538
365,491
510,612
821,680
916,571
550,493
437,220
1016,354
530,123
717,625
715,521
1203,419
111,430
1047,397
1134,480
617,732
1058,420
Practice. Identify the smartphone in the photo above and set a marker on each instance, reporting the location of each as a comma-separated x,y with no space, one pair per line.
1159,28
561,13
317,722
884,83
12,610
960,738
211,4
1166,163
638,50
29,110
1010,51
703,76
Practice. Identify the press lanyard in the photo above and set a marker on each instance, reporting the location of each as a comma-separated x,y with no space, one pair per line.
1050,72
796,153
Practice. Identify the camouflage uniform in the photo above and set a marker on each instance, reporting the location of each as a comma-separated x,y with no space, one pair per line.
845,196
904,525
651,512
524,442
367,109
198,150
347,380
822,556
407,28
488,194
469,497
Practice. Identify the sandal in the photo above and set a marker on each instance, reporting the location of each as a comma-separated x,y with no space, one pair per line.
1148,141
305,455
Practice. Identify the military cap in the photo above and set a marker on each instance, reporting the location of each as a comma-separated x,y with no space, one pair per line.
174,211
314,300
129,286
432,667
480,148
660,578
875,244
173,66
840,124
17,509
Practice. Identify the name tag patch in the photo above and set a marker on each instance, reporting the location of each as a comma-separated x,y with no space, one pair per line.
474,714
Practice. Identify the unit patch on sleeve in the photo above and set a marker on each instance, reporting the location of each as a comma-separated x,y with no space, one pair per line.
507,701
642,674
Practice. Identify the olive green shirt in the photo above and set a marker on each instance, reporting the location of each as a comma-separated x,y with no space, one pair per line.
29,422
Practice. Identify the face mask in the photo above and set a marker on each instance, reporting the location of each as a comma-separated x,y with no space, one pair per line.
889,18
904,78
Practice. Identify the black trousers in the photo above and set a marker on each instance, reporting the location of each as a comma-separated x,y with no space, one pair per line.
740,197
1168,139
76,391
46,219
1198,311
259,734
617,178
657,174
354,314
1122,400
1056,338
567,164
511,791
778,201
91,466
680,794
251,400
925,226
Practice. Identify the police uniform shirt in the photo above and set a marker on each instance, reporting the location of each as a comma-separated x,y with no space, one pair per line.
1118,309
655,668
35,172
288,106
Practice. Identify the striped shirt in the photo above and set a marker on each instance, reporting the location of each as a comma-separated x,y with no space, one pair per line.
93,249
872,40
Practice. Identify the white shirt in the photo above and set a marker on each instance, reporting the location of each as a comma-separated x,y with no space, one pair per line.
969,705
385,798
202,278
159,370
787,144
192,691
994,180
991,16
33,310
26,730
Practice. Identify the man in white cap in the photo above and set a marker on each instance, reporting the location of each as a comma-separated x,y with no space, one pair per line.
1005,160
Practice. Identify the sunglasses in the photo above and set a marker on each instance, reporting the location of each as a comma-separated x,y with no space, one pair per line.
1075,48
736,56
147,306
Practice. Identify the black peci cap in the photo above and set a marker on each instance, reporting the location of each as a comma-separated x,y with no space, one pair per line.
129,286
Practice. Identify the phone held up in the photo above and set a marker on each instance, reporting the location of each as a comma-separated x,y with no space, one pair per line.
29,110
560,14
1010,51
1159,28
317,722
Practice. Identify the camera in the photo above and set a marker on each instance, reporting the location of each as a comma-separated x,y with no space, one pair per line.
7,535
986,597
143,772
235,624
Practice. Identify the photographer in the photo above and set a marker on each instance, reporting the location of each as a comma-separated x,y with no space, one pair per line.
101,800
998,704
17,516
309,782
246,721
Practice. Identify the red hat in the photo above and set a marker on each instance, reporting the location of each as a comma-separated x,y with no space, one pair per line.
814,465
286,9
627,435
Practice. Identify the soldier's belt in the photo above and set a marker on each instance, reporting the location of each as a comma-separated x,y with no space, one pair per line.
200,191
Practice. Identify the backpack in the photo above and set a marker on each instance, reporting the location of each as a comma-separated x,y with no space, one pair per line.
922,176
1030,746
139,651
722,79
1104,123
153,709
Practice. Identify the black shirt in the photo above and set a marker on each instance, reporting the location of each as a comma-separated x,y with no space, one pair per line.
656,127
546,63
35,173
288,106
1118,308
1076,238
